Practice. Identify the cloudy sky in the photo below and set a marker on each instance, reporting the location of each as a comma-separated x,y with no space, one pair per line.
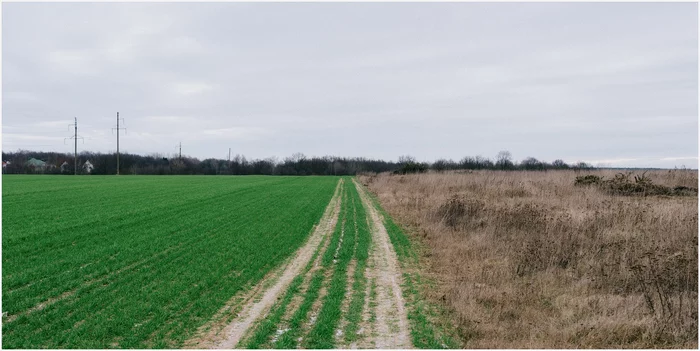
611,84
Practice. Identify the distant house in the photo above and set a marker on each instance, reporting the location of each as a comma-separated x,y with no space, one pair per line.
4,165
64,166
88,167
38,165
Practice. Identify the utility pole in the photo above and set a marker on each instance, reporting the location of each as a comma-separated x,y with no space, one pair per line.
117,129
180,151
75,163
229,155
75,137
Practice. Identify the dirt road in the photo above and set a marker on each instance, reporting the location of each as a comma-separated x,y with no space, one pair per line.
384,323
391,329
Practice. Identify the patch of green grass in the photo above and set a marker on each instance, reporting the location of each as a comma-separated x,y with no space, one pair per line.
141,261
357,302
322,335
429,329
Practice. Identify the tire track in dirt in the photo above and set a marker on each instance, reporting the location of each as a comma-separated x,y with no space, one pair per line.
391,328
255,310
298,298
345,306
210,333
345,324
321,298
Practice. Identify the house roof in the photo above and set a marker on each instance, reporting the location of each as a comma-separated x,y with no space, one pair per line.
37,163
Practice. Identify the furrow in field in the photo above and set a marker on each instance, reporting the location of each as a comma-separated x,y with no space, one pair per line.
106,278
67,294
175,264
251,312
391,324
153,222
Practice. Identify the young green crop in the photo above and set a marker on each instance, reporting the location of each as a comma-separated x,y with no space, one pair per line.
322,333
138,261
357,302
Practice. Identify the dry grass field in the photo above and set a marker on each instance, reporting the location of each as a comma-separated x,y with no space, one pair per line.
529,260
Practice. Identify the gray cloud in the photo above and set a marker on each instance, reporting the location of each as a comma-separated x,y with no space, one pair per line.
607,83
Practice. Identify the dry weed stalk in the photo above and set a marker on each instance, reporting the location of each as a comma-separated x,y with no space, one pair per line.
527,259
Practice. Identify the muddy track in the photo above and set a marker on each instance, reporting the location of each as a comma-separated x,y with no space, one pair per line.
390,328
254,310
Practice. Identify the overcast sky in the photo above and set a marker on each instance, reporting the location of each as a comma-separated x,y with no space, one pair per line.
611,84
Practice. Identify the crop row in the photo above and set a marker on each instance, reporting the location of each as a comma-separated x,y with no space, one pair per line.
134,262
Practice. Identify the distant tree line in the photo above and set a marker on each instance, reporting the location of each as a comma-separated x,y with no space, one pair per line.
297,164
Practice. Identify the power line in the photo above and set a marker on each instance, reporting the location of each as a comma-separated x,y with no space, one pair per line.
117,129
75,137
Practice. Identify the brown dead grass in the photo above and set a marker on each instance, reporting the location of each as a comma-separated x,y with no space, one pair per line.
528,260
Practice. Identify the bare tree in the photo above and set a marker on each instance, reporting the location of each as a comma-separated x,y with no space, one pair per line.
504,160
407,159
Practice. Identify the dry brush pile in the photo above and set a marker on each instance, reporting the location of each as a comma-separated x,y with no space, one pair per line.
528,259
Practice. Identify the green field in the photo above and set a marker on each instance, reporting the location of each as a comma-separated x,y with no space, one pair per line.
137,262
173,261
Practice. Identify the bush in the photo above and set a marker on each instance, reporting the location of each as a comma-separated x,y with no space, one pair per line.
457,212
622,184
412,167
588,180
